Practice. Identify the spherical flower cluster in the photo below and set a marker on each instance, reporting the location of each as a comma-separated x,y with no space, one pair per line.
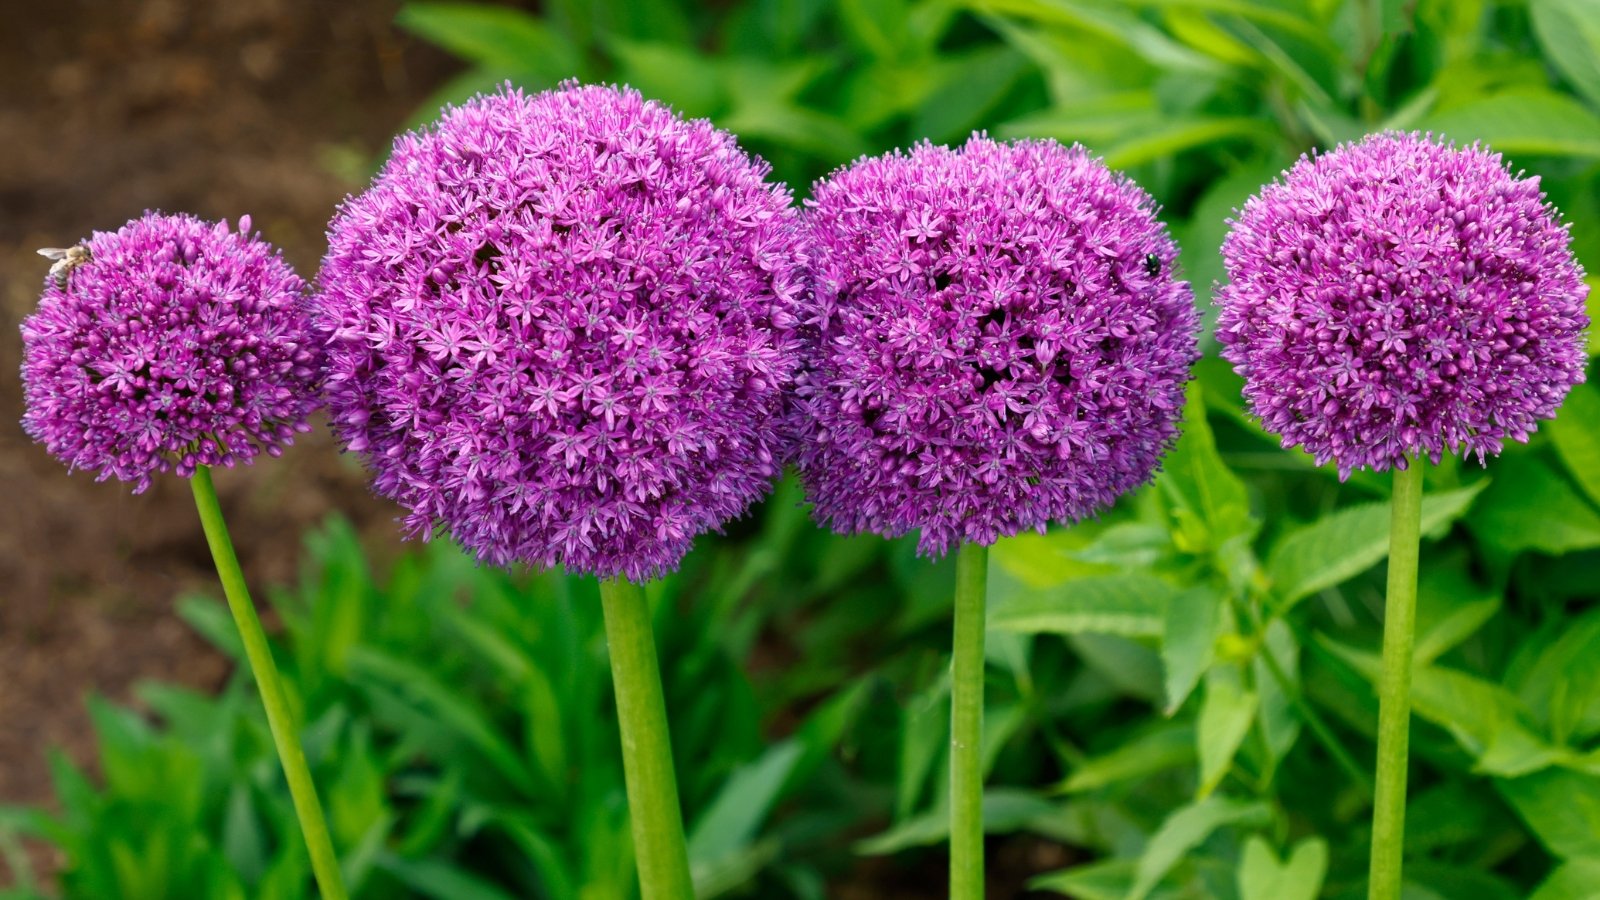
1399,296
173,343
1000,341
561,326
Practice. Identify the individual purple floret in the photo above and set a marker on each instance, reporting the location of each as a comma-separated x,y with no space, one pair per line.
171,343
1399,296
560,326
1000,341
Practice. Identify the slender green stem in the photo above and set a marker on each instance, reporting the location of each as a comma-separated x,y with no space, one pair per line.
285,734
658,844
1394,690
966,726
1319,728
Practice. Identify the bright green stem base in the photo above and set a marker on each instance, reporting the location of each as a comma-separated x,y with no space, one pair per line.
324,862
1394,691
966,726
658,845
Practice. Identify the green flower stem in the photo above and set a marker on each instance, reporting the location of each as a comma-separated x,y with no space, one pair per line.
1394,690
966,726
658,845
285,734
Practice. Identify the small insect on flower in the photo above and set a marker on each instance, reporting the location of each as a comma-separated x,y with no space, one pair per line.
1152,265
181,344
66,259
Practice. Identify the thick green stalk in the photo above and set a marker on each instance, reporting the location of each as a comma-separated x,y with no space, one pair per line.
1394,689
966,726
285,734
658,845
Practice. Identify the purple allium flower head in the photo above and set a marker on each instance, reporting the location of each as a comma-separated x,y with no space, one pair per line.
1000,341
1399,296
177,344
561,326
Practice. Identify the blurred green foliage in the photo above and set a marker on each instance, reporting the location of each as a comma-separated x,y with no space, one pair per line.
1180,693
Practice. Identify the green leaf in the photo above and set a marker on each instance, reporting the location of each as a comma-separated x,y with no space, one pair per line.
1128,605
732,820
1348,542
244,841
1094,120
1532,122
672,73
1105,880
1156,750
1531,507
494,36
1485,718
459,718
1561,687
1569,31
1185,830
1280,721
210,618
1033,560
1209,503
441,880
880,27
1225,717
1188,641
971,85
1574,879
1448,814
1263,877
1110,25
1305,56
1175,135
924,731
1126,664
1592,305
1576,432
1004,810
1451,607
1561,807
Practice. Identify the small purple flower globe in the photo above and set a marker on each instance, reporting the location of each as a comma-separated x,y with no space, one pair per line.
172,343
561,326
1000,341
1399,296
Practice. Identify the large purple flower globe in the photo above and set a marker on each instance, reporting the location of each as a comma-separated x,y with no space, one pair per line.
169,344
561,327
1399,296
999,341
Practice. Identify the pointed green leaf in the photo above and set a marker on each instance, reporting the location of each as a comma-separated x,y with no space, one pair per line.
1348,542
1225,717
1129,605
1188,641
493,36
1574,879
1576,432
1531,507
1569,31
1185,830
1561,807
1525,121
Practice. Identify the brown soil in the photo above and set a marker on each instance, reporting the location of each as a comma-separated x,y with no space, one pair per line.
267,107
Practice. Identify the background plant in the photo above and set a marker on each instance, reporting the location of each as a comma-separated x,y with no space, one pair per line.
1180,695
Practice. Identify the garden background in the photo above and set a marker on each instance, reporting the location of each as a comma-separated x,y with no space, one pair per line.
1180,700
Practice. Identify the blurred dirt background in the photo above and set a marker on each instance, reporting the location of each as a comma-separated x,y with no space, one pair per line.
276,108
